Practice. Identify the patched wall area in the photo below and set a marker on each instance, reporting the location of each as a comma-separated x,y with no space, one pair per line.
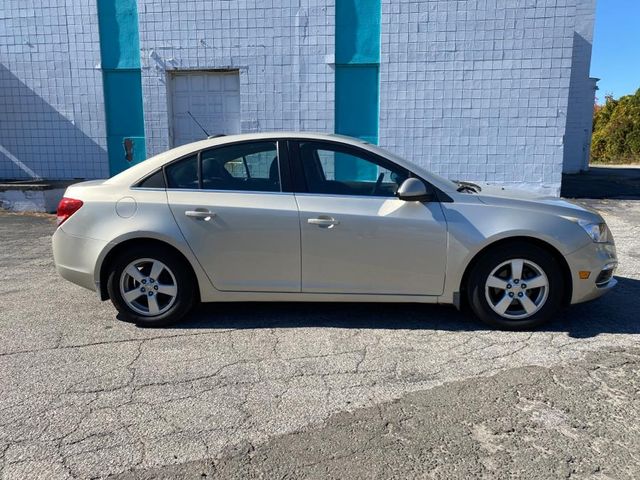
478,90
282,50
51,103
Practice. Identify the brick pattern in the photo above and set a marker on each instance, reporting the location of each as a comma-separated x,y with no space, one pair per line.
282,48
581,92
474,89
478,89
51,100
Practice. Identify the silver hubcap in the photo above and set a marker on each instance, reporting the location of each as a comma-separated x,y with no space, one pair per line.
148,287
517,289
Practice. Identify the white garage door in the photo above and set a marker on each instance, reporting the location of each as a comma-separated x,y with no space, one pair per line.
213,98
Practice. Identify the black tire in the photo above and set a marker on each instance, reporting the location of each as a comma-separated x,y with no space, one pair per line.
185,296
492,259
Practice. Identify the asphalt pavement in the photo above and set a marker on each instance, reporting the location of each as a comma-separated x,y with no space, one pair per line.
290,390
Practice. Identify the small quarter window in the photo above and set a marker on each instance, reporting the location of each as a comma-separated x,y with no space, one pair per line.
183,174
153,181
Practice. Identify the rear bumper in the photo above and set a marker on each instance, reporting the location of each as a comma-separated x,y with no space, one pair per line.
75,257
594,258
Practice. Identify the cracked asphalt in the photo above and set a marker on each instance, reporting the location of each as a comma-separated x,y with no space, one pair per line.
312,390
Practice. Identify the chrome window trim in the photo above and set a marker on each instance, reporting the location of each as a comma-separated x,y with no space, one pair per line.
203,190
148,189
337,195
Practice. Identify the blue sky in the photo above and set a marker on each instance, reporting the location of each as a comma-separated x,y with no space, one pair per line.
616,47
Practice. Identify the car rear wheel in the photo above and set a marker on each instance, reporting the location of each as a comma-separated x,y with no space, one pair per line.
516,287
151,286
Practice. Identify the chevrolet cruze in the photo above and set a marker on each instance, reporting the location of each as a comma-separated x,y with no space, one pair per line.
323,218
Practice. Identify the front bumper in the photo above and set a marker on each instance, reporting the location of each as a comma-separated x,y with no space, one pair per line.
595,258
75,257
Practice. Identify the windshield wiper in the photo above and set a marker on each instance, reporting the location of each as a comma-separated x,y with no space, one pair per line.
467,187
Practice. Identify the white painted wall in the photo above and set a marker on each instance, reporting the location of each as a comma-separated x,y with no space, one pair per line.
582,91
479,90
281,48
51,100
475,89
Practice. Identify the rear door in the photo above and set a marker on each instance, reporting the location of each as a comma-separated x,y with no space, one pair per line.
357,237
231,208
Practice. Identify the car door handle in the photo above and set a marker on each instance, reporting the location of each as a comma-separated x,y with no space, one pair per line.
200,214
323,221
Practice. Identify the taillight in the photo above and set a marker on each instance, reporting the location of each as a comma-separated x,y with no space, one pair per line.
66,208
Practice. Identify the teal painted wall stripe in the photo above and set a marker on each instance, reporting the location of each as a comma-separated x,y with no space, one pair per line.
120,59
357,101
357,77
358,31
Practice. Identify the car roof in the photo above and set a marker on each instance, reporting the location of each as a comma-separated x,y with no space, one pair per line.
140,170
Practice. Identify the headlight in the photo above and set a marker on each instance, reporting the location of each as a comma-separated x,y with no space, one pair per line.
599,232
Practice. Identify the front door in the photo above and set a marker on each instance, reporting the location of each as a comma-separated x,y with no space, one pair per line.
229,205
357,237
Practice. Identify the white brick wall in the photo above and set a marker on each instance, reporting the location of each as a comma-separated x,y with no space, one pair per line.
51,101
474,89
581,92
478,89
281,48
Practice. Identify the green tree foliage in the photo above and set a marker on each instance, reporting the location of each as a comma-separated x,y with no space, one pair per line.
616,130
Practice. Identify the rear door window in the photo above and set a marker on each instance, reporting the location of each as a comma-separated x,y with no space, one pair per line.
246,167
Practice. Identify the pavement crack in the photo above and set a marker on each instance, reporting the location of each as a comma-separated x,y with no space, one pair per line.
112,342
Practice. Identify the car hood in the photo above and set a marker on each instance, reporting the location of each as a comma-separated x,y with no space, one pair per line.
496,195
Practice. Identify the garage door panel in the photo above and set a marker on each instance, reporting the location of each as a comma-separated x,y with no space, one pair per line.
232,83
231,106
213,98
215,83
197,83
180,84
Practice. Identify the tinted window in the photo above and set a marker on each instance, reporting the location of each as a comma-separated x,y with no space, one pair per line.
153,181
333,170
183,174
247,166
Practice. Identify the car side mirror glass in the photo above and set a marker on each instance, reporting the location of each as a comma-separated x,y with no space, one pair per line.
414,190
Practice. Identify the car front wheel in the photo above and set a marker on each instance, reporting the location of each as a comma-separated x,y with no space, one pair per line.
516,287
151,286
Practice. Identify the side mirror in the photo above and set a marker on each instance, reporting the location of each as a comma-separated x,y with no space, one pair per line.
414,190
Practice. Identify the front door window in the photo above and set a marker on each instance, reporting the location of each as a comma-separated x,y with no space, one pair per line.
335,170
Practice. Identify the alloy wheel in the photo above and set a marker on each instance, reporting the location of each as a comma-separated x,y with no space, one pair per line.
148,287
517,289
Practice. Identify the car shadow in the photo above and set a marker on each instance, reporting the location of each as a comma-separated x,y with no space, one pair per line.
616,313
